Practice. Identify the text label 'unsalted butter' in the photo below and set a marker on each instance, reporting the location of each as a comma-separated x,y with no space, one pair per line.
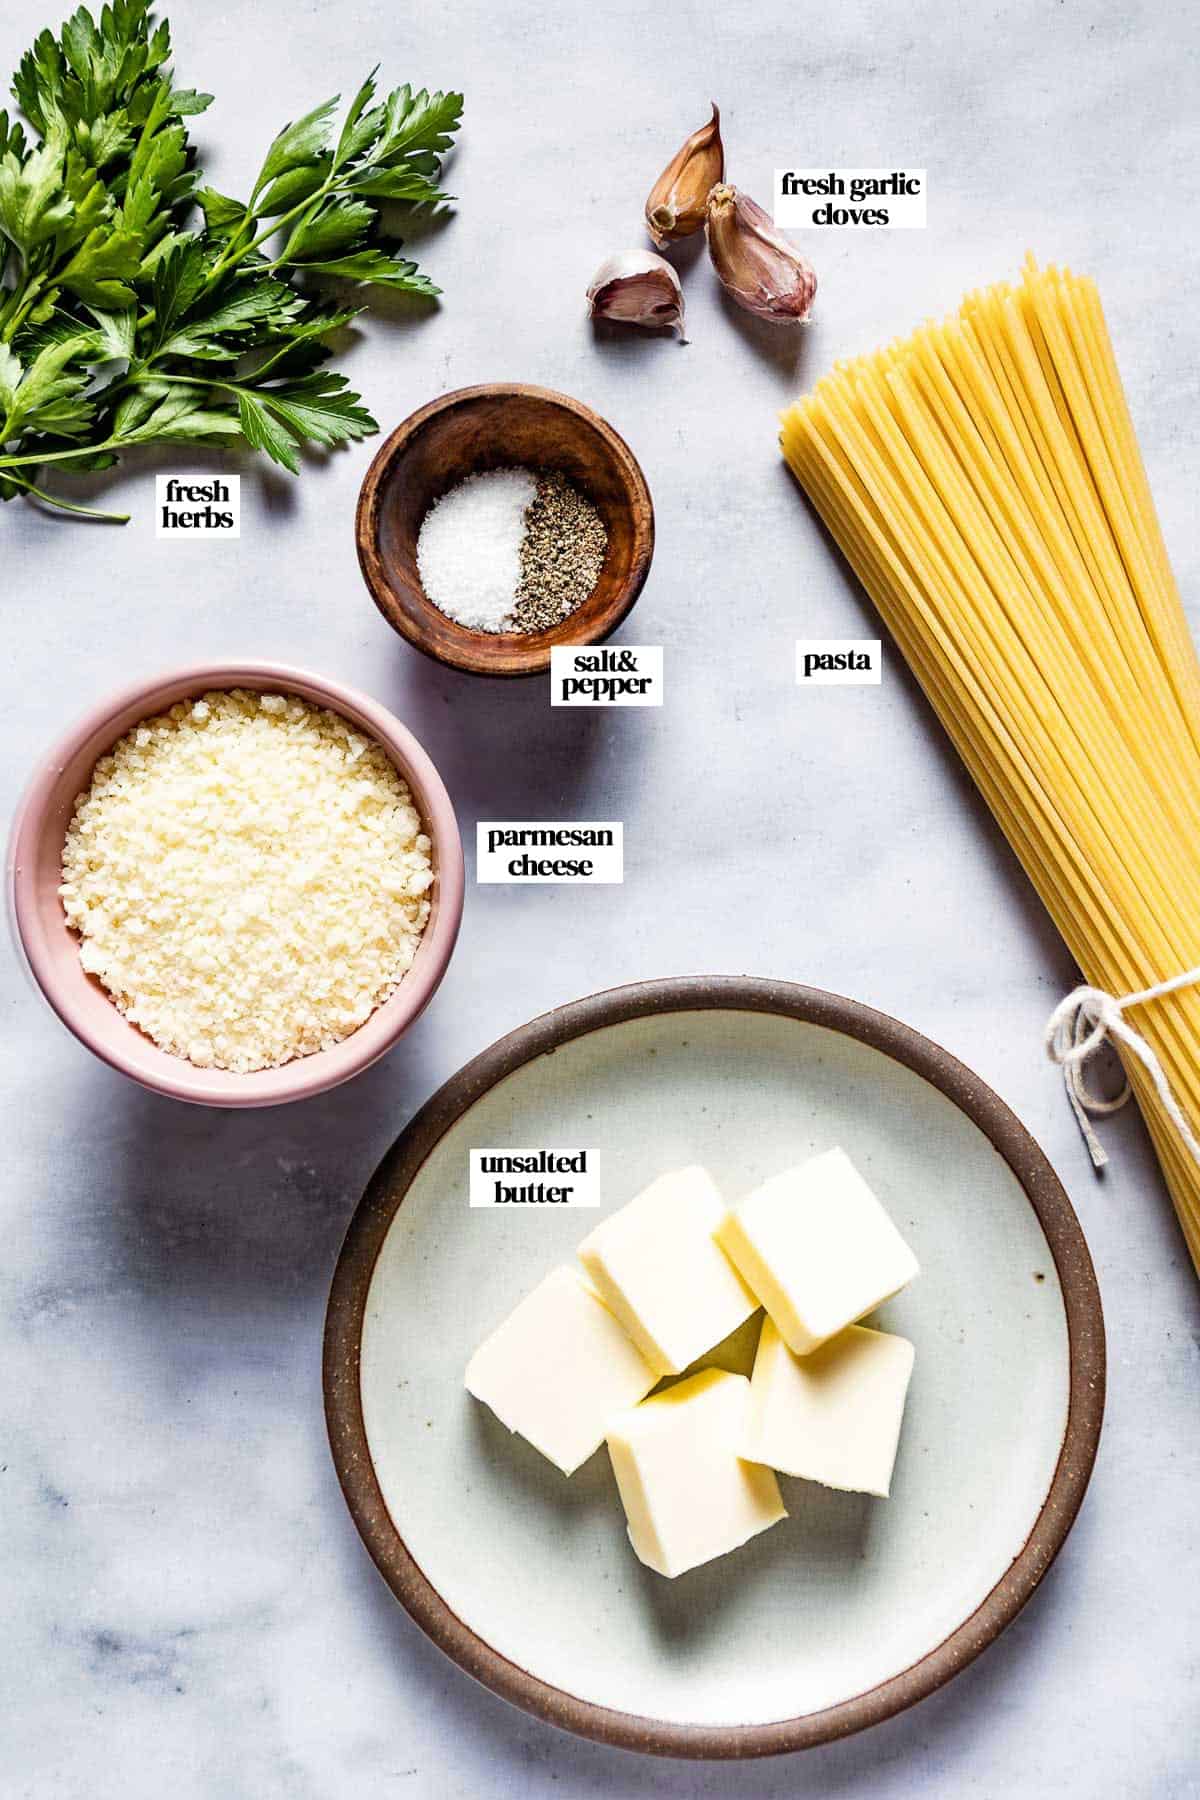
535,1178
517,850
839,662
630,676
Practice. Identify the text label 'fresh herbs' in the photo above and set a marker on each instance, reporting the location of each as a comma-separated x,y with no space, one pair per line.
190,507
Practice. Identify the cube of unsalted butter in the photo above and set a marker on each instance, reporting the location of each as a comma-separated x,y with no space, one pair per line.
656,1263
558,1370
689,1493
817,1248
833,1416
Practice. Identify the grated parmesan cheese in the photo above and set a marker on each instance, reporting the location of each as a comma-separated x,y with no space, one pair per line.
247,874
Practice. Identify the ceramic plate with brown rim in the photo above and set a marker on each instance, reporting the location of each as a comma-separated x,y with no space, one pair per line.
851,1609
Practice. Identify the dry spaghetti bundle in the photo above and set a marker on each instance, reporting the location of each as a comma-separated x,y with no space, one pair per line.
984,480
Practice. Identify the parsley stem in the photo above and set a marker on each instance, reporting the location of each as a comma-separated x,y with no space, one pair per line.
36,458
328,186
85,512
19,304
197,381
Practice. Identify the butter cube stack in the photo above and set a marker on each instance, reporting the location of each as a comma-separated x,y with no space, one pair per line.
669,1276
827,1395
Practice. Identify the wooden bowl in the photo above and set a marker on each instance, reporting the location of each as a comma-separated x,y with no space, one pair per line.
489,427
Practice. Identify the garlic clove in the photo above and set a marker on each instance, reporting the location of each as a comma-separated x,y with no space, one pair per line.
637,288
757,265
675,207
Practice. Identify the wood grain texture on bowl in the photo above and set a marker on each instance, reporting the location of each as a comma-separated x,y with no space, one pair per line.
1033,1179
489,427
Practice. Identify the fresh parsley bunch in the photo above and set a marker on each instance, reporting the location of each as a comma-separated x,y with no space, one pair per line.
123,324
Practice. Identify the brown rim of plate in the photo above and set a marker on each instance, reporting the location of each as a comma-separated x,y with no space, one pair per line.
542,1036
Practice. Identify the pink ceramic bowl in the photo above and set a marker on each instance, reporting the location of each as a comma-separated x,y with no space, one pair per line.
34,872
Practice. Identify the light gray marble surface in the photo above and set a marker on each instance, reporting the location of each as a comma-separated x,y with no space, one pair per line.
189,1609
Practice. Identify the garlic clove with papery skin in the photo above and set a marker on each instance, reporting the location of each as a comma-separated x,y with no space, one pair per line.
676,204
757,265
637,288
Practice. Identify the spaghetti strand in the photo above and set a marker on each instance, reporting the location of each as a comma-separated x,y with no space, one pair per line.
983,479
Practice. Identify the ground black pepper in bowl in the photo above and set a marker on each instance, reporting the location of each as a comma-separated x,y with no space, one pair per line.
562,554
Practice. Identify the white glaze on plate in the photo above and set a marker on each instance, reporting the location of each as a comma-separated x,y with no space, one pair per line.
850,1590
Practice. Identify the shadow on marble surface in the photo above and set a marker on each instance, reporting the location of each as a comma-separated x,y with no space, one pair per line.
515,757
245,1208
627,343
783,349
688,254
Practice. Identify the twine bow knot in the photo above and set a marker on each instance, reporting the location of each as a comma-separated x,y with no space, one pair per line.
1079,1027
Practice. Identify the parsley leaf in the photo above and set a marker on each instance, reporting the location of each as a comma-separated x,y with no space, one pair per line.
319,408
298,144
224,217
49,396
418,122
139,305
381,268
178,417
101,270
337,226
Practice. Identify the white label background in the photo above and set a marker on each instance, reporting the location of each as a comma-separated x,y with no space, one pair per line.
179,534
871,647
608,860
585,1188
564,660
906,212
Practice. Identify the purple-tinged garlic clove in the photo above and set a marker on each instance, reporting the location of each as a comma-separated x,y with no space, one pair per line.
637,288
757,265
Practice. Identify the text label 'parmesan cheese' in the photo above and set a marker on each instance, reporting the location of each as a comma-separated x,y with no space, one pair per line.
516,850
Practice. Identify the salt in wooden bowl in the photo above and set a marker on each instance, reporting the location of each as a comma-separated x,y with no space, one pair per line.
494,426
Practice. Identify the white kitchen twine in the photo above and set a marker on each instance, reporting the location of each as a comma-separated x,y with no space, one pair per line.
1079,1026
